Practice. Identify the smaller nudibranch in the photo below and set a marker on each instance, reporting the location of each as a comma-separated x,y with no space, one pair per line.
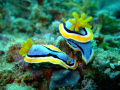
49,54
77,34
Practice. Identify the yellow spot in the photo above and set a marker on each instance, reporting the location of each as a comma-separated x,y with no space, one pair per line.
68,62
79,22
63,19
25,47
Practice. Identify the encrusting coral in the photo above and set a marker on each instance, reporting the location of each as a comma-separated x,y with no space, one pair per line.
81,6
39,20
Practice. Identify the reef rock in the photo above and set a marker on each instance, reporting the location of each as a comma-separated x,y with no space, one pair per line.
62,78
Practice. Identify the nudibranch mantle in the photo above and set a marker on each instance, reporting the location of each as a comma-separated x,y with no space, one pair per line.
77,34
49,54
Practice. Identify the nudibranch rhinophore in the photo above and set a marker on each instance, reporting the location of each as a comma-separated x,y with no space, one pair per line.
49,54
77,34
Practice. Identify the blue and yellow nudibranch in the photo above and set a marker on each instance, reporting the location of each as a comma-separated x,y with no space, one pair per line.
77,34
46,54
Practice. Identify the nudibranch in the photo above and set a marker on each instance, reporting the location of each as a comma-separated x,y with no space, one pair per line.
47,54
77,34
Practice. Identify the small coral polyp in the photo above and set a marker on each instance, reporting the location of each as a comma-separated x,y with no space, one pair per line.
77,34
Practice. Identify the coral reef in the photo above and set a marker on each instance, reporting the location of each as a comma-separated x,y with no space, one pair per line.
110,23
39,20
13,86
107,62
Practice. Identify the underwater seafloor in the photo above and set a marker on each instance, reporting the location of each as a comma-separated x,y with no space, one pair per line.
39,20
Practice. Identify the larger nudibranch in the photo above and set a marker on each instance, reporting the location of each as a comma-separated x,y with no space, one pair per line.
78,35
47,54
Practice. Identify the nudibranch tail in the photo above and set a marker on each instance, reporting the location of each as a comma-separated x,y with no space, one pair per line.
25,47
88,59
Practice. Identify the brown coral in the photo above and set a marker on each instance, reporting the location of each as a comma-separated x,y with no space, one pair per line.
12,52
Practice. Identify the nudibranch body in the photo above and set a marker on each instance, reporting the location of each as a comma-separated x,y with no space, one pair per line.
49,54
77,34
